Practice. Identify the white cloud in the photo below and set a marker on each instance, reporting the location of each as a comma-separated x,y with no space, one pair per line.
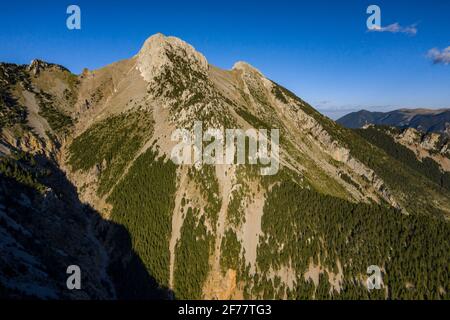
439,56
397,28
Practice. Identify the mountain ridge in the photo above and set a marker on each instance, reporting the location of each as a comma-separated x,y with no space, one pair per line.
427,120
218,231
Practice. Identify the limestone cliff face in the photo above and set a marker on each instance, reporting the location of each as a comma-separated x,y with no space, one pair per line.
432,145
293,114
160,53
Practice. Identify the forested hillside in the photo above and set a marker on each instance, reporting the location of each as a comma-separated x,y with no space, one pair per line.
427,167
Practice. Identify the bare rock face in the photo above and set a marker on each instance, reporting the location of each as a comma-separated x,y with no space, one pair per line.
430,141
414,137
160,52
178,80
410,136
36,66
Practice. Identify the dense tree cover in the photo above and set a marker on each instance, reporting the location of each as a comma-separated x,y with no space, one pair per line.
58,121
230,251
241,194
110,145
11,111
143,202
299,224
208,184
236,210
21,167
429,168
192,256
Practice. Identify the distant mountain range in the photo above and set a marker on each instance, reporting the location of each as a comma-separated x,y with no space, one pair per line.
426,120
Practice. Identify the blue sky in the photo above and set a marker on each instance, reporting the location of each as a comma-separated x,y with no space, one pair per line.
321,50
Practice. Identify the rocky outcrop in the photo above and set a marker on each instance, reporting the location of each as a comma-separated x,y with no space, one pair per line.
37,66
160,53
425,145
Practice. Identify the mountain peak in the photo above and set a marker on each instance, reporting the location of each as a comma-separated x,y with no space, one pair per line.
160,52
246,67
